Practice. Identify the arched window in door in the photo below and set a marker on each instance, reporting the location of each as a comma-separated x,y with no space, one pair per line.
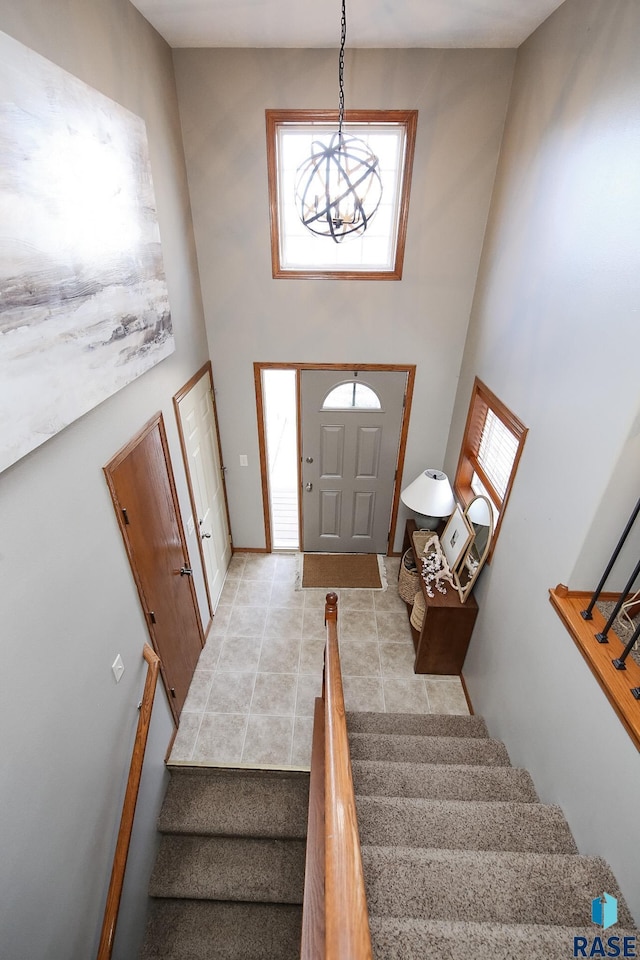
352,395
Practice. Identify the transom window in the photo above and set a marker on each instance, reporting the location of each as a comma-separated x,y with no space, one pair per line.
379,252
490,453
352,395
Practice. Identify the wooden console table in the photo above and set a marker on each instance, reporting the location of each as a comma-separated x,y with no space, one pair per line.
441,645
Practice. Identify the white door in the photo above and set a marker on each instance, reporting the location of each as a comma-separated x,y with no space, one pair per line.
197,418
351,425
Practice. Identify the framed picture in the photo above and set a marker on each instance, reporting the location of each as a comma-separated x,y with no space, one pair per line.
457,536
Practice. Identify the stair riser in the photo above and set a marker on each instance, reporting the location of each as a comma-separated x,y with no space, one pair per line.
428,749
236,806
442,781
200,930
428,724
489,887
463,825
402,939
269,871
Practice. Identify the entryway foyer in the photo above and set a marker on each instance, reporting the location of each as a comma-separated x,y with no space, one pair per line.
251,699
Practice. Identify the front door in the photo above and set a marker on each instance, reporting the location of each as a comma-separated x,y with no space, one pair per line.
351,425
199,433
144,497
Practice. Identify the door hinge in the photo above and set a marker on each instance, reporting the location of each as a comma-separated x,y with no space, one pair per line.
152,616
173,692
125,516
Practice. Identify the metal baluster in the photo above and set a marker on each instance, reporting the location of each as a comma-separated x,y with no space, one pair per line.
602,637
619,663
587,614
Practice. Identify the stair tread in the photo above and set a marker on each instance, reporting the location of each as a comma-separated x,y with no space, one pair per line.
428,749
229,868
442,780
464,824
429,724
506,887
408,938
215,930
235,805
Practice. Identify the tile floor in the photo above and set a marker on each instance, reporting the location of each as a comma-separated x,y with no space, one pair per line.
251,699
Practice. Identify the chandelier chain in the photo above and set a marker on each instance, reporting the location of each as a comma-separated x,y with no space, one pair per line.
343,40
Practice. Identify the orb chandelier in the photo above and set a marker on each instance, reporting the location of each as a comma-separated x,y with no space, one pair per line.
338,188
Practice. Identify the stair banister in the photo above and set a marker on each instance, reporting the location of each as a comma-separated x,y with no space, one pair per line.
346,916
114,894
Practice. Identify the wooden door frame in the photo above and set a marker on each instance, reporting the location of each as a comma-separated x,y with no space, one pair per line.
408,368
156,421
182,392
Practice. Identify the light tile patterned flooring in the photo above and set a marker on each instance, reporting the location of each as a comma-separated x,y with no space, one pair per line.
251,699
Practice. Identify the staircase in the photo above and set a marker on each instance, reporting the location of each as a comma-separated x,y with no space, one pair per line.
461,860
228,880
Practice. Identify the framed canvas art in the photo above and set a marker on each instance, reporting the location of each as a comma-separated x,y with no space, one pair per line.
84,307
456,537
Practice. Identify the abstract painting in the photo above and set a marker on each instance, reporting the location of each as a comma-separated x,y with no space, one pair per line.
84,307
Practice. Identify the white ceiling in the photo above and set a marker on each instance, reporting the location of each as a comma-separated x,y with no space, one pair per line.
370,23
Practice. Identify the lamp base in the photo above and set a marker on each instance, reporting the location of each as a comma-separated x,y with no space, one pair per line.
424,522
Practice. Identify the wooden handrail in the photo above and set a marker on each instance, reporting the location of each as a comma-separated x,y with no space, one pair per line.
114,894
347,935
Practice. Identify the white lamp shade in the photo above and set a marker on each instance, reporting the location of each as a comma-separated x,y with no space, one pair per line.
430,494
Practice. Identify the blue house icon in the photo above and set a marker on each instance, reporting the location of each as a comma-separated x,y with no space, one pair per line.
604,910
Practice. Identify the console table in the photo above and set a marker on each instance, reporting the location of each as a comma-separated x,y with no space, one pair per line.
441,645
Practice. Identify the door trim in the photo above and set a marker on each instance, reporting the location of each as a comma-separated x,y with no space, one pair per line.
182,392
258,367
156,421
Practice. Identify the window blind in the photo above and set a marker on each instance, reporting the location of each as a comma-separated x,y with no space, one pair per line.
496,452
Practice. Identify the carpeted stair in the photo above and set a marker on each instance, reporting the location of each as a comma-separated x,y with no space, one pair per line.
461,860
228,880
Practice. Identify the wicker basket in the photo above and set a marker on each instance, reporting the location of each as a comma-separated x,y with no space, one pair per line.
417,614
408,578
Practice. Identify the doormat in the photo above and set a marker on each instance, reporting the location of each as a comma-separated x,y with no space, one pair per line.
363,571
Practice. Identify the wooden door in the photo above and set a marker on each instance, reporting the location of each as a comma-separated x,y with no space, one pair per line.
197,423
143,490
351,430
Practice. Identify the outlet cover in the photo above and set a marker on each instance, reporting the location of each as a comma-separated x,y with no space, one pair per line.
118,668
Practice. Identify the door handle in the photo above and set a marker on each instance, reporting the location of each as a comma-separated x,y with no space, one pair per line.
204,536
186,572
309,459
308,487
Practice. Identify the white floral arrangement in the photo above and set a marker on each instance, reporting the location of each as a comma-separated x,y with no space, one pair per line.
435,569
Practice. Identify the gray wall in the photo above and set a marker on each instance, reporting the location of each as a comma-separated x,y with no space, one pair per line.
461,96
68,603
555,332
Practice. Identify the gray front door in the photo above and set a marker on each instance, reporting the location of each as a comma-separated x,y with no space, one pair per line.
351,424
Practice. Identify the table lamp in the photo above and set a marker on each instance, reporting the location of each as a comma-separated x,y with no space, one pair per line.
430,498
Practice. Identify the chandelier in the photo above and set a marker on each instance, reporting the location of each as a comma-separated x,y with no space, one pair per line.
338,188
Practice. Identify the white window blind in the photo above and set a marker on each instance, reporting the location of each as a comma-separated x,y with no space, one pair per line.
496,452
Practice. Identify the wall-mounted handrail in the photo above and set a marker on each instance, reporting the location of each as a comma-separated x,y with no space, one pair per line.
346,920
114,894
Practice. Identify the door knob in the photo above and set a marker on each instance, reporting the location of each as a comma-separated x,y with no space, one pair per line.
205,536
309,459
186,572
308,487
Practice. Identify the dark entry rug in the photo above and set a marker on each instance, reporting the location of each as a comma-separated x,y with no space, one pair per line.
346,570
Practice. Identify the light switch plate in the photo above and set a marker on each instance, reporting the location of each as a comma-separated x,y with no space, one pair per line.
244,460
118,668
